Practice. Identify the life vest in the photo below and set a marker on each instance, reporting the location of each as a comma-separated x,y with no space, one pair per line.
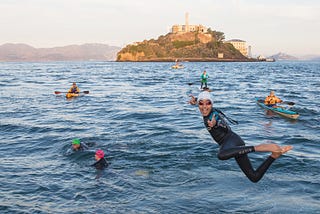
204,78
271,100
74,90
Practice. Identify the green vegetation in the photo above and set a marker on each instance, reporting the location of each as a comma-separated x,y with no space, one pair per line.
182,44
219,36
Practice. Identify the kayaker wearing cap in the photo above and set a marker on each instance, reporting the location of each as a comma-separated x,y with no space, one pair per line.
231,145
101,162
74,89
78,146
272,100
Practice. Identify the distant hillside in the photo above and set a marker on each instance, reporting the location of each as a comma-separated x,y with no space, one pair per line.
310,57
283,56
22,53
316,58
190,46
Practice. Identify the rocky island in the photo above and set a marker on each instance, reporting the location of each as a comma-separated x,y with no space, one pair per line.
186,43
187,46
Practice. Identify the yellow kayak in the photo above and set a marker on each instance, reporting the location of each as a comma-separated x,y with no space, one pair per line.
177,66
71,95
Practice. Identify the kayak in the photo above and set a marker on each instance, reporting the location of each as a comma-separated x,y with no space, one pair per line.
177,66
279,110
71,95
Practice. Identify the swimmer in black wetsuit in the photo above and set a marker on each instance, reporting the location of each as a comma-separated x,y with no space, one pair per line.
101,161
231,144
78,146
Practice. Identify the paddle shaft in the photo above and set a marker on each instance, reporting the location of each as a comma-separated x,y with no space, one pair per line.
59,92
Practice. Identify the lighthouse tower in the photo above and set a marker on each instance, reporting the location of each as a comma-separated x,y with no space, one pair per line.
187,29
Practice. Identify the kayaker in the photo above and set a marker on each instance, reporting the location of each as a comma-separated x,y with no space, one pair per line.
78,146
204,79
74,89
177,63
231,145
101,162
272,100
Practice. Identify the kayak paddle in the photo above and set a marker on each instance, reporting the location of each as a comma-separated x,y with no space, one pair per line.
59,92
288,102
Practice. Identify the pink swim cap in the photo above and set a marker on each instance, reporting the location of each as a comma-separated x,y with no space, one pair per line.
100,153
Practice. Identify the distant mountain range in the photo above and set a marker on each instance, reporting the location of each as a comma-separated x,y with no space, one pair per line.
25,53
283,56
93,51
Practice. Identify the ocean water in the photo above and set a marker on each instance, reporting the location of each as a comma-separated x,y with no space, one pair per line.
162,158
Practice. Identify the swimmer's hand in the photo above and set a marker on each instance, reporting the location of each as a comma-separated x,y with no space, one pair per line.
193,100
212,123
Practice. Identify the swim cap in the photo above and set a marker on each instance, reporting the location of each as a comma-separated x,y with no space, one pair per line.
76,141
205,95
100,153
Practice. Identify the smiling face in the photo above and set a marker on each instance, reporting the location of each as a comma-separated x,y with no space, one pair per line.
205,107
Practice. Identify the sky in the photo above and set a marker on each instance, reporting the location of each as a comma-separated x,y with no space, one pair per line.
269,27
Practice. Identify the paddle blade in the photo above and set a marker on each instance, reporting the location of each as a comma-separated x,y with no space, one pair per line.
289,103
86,92
57,92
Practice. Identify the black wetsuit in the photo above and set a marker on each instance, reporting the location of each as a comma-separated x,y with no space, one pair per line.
101,164
231,145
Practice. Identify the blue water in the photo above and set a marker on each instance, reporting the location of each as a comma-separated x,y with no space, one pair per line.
162,158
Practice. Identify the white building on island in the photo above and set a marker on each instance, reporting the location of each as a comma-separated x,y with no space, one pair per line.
188,28
240,45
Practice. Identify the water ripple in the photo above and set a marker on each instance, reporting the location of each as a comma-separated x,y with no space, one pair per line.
162,158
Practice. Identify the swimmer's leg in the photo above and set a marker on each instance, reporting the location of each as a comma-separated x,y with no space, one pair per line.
246,167
234,146
225,154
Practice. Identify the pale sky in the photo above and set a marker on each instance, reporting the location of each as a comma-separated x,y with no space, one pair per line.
269,26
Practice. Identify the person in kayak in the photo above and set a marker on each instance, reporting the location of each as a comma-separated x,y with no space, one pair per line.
231,145
204,79
272,100
78,146
101,162
74,89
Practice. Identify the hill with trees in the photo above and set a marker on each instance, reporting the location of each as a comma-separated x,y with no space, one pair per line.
190,46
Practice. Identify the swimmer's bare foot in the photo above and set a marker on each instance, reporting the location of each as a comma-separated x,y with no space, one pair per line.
284,149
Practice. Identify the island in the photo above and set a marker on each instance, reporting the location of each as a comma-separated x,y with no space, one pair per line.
184,43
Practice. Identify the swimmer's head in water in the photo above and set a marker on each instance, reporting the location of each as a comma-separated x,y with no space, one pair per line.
75,141
99,153
205,95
